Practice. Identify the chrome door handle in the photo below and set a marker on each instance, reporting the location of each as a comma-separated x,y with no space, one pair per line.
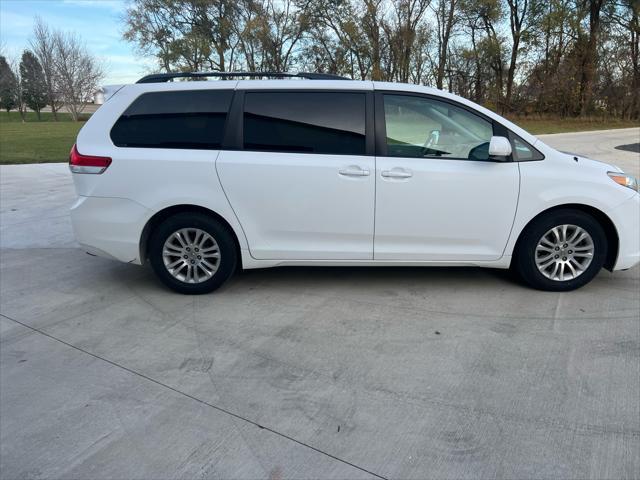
354,172
396,174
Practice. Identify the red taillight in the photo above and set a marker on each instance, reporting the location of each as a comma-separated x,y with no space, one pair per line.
79,163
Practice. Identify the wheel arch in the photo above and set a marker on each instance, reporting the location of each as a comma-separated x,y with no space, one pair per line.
167,212
611,233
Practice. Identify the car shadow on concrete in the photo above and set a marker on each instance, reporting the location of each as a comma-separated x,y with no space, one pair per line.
631,147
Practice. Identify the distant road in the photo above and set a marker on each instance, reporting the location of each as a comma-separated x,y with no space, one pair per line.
88,108
601,145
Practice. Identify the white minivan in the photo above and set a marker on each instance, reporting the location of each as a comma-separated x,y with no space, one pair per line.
201,178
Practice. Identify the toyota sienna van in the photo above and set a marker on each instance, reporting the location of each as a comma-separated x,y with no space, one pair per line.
201,178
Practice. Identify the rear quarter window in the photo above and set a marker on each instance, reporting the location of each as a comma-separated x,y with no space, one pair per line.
193,119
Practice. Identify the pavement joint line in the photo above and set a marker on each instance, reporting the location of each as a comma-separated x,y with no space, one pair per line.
191,397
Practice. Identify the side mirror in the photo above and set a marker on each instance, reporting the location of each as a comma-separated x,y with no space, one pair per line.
499,147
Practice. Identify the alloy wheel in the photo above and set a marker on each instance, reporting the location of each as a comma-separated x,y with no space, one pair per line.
191,255
564,252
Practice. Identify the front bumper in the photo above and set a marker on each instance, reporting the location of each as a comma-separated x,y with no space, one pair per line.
109,227
626,218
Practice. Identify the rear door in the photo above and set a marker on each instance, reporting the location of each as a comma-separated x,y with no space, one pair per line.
302,182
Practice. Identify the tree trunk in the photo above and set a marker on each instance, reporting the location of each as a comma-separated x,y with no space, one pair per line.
634,112
477,81
445,35
372,31
54,110
516,19
589,53
511,72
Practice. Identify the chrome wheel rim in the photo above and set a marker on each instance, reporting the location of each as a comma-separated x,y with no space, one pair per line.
564,252
191,255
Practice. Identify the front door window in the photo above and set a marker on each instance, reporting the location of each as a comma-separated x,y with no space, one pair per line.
424,127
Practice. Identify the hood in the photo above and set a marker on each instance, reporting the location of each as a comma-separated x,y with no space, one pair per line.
592,163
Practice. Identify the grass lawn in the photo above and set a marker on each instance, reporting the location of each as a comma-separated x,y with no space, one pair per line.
36,141
47,141
539,126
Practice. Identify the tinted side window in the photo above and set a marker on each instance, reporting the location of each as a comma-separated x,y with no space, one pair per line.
191,119
305,122
424,127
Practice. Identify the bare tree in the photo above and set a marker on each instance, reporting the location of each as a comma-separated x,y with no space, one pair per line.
627,15
402,31
250,29
77,72
287,25
588,44
185,34
514,56
352,30
521,15
270,33
43,46
447,17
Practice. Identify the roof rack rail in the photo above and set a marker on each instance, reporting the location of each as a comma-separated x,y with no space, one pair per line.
165,77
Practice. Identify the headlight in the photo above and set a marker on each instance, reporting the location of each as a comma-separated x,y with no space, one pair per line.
624,180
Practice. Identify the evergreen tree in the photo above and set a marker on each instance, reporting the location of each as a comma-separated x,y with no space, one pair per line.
8,86
34,87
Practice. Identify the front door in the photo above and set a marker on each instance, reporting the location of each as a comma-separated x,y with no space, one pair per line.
438,198
303,185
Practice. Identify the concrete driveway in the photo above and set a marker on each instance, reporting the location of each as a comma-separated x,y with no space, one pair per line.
601,145
301,372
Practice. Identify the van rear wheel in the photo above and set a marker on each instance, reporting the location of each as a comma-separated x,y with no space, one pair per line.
192,253
560,251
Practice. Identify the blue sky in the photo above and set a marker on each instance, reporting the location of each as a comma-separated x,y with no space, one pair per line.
96,21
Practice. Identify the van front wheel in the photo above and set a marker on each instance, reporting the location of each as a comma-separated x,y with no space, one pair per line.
560,251
192,253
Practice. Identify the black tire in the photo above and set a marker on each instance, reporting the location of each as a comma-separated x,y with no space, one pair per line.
524,261
224,238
